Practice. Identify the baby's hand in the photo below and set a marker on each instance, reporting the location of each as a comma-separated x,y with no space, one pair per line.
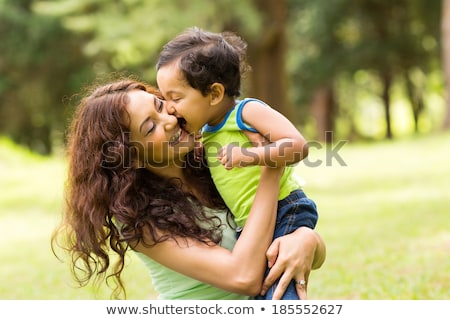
232,156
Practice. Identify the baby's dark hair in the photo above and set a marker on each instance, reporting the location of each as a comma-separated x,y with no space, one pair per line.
207,57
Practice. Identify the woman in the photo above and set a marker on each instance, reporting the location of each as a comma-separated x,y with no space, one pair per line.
133,183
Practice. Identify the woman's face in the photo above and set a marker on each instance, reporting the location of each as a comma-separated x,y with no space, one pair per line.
156,135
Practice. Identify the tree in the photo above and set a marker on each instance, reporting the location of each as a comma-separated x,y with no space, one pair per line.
300,51
39,64
445,22
140,31
267,55
391,40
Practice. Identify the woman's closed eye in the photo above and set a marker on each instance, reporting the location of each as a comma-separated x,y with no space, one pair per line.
159,104
152,126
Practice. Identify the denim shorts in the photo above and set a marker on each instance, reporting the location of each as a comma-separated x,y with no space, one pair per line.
293,212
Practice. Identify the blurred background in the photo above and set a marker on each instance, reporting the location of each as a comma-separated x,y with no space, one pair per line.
373,74
368,69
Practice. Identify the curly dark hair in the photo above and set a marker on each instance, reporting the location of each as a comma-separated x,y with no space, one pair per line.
109,202
205,58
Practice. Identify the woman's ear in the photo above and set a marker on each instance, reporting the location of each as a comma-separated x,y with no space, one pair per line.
217,92
136,157
137,164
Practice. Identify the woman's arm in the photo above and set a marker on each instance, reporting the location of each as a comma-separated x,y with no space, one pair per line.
293,256
240,270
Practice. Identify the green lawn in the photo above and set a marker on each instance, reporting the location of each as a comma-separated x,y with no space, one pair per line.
384,217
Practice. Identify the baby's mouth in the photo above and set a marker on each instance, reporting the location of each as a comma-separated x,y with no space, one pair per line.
179,134
182,123
176,137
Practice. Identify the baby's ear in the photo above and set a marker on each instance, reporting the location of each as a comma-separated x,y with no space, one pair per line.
217,92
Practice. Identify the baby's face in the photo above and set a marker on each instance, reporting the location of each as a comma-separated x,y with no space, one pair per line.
183,101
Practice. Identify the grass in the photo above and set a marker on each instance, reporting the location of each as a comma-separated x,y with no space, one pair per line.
384,217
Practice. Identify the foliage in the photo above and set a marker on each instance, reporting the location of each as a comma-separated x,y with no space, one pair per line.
141,27
40,63
50,49
395,42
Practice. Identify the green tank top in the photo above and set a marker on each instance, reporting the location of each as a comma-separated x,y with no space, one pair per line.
172,285
238,186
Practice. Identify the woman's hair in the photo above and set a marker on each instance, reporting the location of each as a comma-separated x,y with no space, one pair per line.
205,58
109,202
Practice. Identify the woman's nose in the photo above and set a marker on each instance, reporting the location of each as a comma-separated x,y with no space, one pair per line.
170,120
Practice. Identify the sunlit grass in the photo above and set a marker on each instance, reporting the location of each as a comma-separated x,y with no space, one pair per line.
384,217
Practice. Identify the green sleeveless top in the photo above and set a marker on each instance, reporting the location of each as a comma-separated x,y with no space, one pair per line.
238,186
172,285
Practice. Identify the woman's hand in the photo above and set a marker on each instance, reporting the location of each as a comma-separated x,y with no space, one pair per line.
293,256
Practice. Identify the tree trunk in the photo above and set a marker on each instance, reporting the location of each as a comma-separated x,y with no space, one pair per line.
267,55
323,108
386,79
415,96
445,25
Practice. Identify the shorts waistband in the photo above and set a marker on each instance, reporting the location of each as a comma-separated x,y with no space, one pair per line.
292,197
